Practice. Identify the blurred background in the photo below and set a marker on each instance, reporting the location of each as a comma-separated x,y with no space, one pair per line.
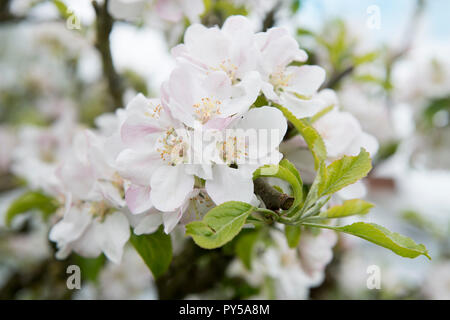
64,62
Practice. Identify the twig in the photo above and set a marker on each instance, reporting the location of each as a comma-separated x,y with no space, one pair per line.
104,27
273,199
269,19
336,78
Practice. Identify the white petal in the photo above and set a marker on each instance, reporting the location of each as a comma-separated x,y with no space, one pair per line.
149,224
301,108
243,95
71,227
137,166
112,234
229,184
366,141
170,187
87,245
138,198
270,126
306,80
171,219
207,45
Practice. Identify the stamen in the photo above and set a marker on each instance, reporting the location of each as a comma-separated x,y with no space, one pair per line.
207,109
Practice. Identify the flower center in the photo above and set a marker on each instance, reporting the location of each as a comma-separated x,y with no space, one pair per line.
206,109
172,147
100,209
155,111
279,80
229,68
233,149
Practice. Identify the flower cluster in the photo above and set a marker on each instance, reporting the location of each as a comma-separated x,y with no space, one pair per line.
169,160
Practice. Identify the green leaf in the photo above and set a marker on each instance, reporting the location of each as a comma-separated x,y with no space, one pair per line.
344,172
31,200
365,58
311,136
348,208
245,247
62,8
290,166
220,225
155,249
292,235
295,5
399,244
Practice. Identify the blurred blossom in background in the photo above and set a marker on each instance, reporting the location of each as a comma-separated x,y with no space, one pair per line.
395,80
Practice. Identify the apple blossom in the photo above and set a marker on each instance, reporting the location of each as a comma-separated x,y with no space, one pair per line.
39,151
294,87
93,221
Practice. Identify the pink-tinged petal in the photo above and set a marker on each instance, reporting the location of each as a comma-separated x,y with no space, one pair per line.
238,26
135,129
218,85
208,45
137,166
168,10
138,198
170,187
229,184
219,123
279,53
139,104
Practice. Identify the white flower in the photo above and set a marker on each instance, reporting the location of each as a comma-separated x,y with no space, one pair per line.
94,219
88,234
208,98
267,126
229,49
291,86
341,131
316,253
154,157
342,135
292,272
39,151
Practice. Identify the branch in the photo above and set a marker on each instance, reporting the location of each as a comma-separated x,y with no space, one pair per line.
104,27
273,199
269,19
337,77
